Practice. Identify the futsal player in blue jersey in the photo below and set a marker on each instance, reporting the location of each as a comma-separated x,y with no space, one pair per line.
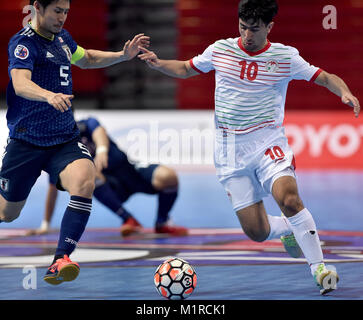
117,179
43,134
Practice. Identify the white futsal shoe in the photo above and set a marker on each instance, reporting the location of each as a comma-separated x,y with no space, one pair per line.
325,279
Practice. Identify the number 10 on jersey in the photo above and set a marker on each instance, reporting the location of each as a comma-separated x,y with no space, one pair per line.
248,70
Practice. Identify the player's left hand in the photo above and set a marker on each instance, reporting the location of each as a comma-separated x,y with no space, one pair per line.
349,99
101,161
131,47
37,232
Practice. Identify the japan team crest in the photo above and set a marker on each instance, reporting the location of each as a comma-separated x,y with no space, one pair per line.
21,52
272,66
4,184
68,52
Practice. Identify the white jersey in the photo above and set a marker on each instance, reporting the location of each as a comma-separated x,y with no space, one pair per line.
251,87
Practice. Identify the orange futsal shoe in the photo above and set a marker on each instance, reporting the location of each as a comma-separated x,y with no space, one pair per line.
130,226
62,270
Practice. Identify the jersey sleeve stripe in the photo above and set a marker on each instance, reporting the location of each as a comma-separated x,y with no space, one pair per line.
316,74
194,67
78,55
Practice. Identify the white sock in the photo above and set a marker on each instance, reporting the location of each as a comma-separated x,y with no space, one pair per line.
279,226
306,235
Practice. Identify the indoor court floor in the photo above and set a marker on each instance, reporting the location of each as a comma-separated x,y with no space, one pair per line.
228,265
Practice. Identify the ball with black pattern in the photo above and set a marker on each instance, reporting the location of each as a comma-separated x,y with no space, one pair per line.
175,279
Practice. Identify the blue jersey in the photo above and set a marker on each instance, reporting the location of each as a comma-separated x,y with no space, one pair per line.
50,63
116,157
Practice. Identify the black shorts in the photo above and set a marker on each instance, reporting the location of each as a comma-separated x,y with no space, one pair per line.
23,163
128,180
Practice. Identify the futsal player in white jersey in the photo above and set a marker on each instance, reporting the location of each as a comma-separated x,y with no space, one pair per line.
252,155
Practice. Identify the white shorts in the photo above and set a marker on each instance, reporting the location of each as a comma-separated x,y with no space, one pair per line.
248,165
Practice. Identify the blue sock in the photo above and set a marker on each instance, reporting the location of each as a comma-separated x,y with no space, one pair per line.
73,224
166,202
108,197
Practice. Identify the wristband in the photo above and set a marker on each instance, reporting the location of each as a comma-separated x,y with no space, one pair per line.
44,225
101,149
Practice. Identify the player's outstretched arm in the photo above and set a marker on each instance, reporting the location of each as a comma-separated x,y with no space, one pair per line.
94,59
102,142
338,87
27,89
173,68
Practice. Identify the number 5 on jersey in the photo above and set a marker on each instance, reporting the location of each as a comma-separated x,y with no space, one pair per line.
64,75
84,149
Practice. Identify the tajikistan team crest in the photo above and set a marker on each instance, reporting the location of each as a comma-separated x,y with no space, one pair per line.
272,66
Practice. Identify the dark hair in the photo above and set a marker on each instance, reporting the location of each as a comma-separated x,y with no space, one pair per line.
256,10
45,3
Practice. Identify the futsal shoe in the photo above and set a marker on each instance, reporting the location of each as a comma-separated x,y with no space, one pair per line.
171,230
130,226
325,279
62,270
291,246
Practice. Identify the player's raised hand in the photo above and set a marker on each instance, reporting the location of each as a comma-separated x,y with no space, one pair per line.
60,101
149,57
352,101
131,47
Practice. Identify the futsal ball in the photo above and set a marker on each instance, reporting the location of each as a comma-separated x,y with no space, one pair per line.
175,279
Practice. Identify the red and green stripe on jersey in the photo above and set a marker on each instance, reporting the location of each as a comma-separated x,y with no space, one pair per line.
251,86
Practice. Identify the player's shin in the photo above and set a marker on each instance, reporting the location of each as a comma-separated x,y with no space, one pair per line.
306,235
108,197
73,225
166,201
279,226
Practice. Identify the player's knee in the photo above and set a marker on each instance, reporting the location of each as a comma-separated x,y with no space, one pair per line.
165,178
84,187
87,187
9,215
255,235
292,203
9,211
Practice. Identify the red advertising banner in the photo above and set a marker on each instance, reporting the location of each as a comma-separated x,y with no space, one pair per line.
325,140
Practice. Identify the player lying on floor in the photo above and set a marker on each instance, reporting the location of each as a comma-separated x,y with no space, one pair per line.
117,179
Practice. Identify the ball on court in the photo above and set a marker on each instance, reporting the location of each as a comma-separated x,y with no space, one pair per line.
175,279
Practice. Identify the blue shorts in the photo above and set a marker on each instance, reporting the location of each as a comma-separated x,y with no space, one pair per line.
128,179
23,163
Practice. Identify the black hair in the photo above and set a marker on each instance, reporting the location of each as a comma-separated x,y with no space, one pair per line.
44,3
256,10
